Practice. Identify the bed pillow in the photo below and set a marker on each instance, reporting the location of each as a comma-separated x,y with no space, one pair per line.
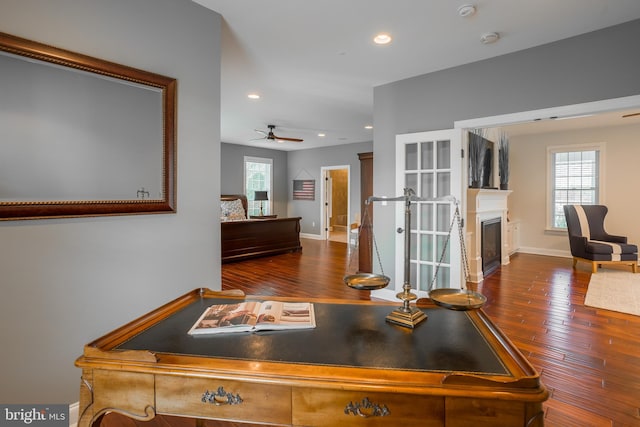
232,210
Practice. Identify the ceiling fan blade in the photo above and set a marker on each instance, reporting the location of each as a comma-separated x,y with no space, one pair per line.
261,132
288,139
631,115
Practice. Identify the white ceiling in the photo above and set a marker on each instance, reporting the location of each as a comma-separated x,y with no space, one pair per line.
315,65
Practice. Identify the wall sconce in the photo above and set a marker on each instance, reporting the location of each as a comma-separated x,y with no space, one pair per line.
260,196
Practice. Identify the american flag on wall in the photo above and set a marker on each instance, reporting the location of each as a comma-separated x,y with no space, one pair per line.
304,189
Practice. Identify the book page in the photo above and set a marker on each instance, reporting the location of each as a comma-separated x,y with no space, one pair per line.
286,315
227,317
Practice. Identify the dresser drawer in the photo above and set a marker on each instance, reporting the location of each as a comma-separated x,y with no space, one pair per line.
222,399
323,407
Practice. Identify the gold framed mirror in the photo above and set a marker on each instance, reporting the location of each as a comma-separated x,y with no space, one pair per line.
80,136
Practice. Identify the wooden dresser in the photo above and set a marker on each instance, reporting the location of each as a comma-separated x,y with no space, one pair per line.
455,369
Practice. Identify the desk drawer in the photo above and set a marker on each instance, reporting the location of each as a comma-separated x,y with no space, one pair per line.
321,407
462,411
232,400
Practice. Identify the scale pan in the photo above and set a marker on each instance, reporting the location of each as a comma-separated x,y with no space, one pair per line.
366,281
457,299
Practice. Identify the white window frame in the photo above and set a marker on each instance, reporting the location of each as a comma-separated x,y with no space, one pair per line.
551,151
268,205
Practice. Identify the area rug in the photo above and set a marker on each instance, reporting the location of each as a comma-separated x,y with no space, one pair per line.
614,290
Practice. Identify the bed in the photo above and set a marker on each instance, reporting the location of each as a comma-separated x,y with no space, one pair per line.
244,238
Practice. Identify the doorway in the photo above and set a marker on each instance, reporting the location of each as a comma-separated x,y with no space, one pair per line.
335,204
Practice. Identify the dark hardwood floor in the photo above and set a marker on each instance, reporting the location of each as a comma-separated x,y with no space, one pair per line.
588,358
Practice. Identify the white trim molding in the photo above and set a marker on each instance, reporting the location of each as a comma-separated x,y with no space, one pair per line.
564,111
311,236
74,413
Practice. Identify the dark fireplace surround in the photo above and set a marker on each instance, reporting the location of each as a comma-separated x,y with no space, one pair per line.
491,244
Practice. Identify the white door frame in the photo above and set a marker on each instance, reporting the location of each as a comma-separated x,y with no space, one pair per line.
324,173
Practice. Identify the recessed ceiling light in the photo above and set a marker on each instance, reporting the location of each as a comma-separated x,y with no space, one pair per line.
382,38
321,134
368,127
253,96
466,10
488,38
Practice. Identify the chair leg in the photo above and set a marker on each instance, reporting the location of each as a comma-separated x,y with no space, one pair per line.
634,267
594,267
575,261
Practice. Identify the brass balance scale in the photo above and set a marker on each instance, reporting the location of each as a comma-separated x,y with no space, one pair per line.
450,298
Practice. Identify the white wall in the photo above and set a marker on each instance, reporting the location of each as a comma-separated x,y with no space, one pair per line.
64,282
527,203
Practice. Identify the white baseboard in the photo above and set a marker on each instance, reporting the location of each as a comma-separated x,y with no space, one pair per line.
311,236
74,409
546,252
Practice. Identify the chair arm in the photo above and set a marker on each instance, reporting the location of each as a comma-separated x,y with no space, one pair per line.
578,245
610,238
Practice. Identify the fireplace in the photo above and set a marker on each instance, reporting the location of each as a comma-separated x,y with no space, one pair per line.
486,208
491,243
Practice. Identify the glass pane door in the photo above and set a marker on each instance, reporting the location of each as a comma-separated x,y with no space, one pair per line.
430,164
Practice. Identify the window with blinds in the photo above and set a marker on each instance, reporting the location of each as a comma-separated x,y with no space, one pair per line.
258,176
575,179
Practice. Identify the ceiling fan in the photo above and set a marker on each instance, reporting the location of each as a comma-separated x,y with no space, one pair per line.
269,136
630,115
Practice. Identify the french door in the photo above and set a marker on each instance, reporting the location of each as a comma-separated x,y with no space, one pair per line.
430,163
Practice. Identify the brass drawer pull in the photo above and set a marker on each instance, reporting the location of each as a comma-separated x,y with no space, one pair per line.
367,409
221,397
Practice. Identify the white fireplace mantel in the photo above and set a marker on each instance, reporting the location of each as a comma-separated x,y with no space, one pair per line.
482,205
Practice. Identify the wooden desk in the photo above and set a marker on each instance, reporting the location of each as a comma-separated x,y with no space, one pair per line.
454,369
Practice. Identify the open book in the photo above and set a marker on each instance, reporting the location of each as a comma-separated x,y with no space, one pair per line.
254,316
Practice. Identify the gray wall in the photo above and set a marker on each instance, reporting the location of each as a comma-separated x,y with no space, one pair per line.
65,282
307,164
232,172
595,66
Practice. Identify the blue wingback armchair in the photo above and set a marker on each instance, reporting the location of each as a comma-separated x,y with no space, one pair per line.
589,241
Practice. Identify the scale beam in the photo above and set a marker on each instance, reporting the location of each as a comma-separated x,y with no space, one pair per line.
411,198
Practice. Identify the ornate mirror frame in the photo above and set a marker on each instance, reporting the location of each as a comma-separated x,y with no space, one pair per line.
166,203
